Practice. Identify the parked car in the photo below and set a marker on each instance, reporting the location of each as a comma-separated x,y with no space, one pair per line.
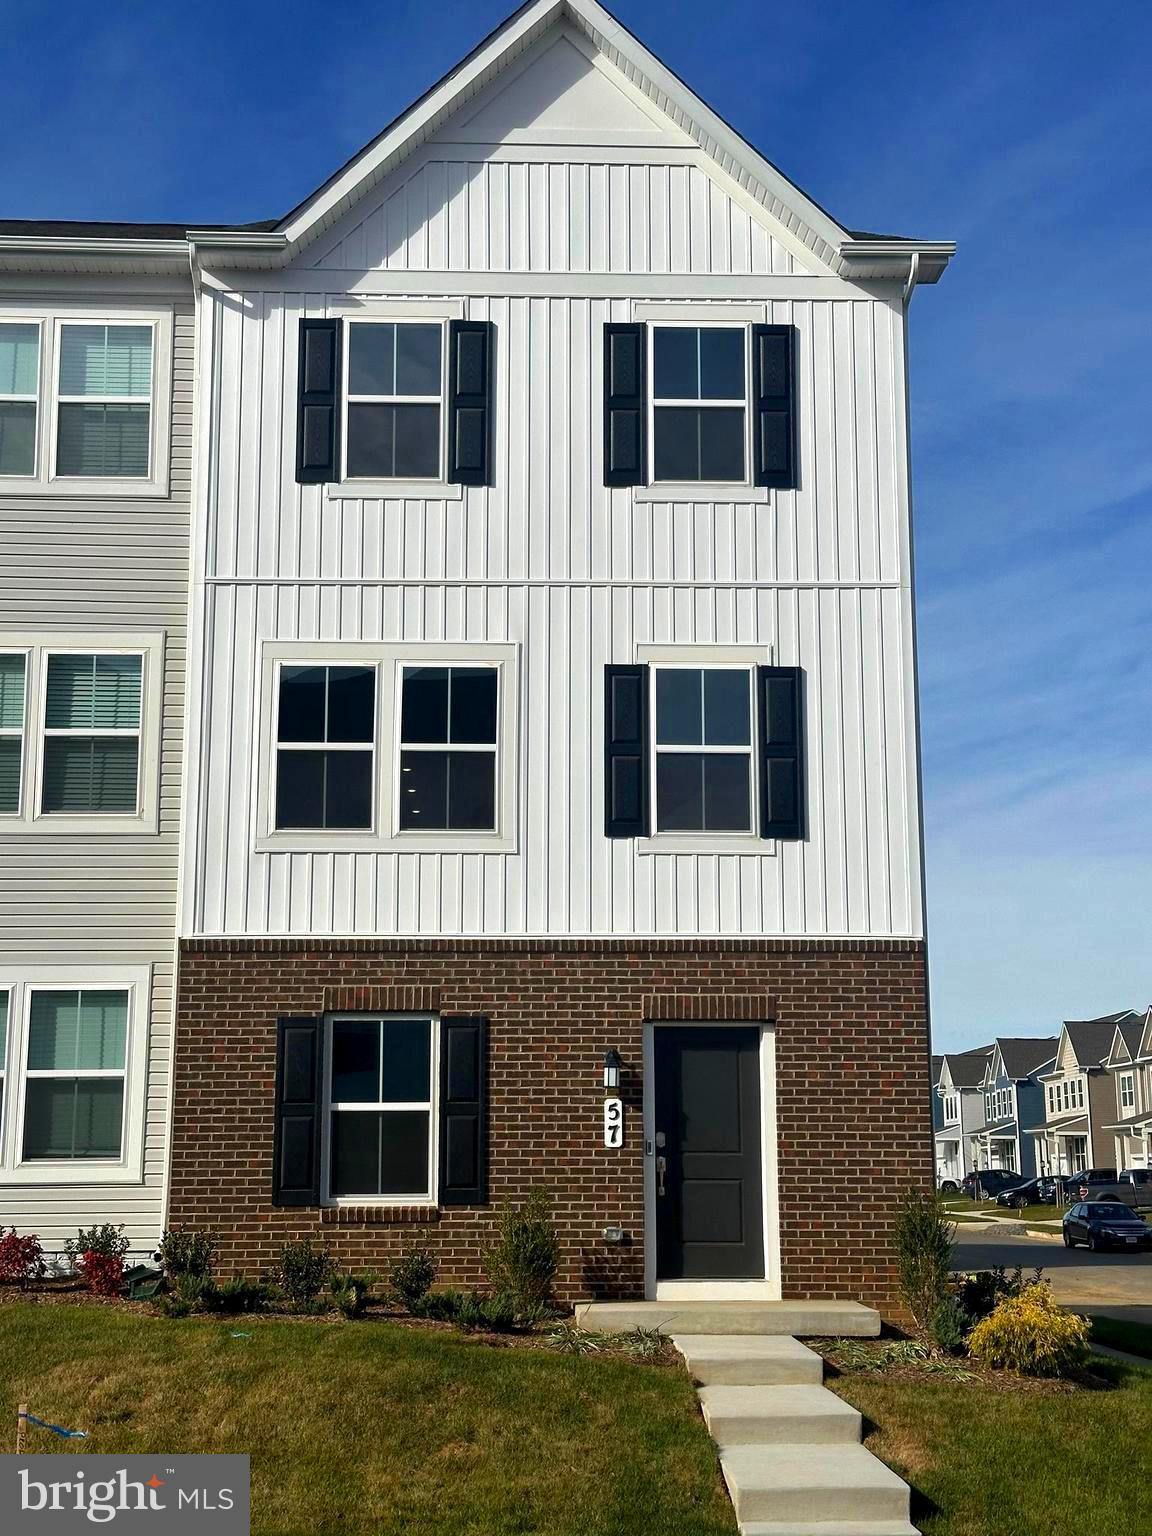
1133,1186
1088,1179
1105,1224
1034,1192
990,1182
948,1186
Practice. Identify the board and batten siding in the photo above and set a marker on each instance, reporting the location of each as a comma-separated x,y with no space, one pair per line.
82,564
577,575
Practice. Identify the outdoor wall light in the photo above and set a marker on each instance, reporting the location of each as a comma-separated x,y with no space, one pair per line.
612,1066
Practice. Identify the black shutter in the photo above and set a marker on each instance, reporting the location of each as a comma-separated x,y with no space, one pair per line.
773,400
624,405
318,405
626,751
781,693
470,347
299,1075
463,1111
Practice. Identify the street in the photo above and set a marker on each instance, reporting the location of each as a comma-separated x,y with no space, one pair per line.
1113,1284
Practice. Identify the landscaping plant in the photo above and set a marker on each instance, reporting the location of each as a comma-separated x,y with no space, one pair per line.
105,1240
410,1277
350,1293
522,1263
1029,1333
185,1251
302,1271
923,1244
21,1258
102,1273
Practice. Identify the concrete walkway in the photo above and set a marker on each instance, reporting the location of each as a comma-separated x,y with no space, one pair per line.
789,1449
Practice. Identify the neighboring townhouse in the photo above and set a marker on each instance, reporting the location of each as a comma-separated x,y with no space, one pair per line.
96,382
1129,1064
553,713
959,1093
1079,1098
1013,1100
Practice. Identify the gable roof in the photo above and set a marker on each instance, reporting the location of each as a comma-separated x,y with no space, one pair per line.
1022,1058
1091,1039
1126,1037
851,253
966,1068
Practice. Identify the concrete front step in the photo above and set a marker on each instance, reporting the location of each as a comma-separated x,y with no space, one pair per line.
811,1483
796,1415
824,1528
757,1360
838,1319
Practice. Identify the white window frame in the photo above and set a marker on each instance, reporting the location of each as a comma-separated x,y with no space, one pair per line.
6,992
707,658
394,312
711,322
20,733
37,647
10,481
390,657
84,733
128,1168
432,1105
1127,1093
371,746
488,748
51,318
951,1109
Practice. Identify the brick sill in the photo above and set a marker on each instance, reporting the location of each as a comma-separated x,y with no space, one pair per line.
378,1215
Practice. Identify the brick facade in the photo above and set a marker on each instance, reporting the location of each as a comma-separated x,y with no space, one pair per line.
853,1111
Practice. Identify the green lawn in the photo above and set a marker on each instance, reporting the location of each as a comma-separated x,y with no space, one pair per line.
999,1463
959,1206
1136,1338
375,1428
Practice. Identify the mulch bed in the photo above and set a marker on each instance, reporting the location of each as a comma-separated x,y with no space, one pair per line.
977,1376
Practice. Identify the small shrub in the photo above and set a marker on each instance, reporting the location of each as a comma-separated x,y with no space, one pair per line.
497,1313
644,1343
1029,1333
102,1273
21,1258
950,1325
200,1292
301,1271
411,1276
239,1295
105,1240
172,1306
522,1262
571,1339
350,1293
185,1251
923,1245
980,1292
441,1306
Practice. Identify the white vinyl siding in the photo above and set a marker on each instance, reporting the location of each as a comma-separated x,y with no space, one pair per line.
100,567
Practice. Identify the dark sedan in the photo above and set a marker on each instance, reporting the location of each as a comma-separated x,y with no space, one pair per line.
1034,1192
991,1181
1105,1224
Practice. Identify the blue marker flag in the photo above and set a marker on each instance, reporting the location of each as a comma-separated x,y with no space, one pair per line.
65,1434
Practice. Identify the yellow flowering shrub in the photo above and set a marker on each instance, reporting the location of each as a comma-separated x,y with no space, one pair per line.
1029,1333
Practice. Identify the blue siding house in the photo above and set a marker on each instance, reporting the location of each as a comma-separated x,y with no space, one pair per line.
1013,1103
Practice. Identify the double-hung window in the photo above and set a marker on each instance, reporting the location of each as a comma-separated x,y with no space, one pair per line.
380,1108
75,1075
325,747
1127,1092
92,720
448,748
700,387
104,401
394,411
13,684
704,774
19,396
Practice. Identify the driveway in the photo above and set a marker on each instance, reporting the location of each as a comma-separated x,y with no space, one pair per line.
1113,1284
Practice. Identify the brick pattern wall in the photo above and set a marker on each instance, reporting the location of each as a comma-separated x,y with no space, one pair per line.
854,1122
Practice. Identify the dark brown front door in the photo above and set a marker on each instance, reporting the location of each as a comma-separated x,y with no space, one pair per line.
709,1202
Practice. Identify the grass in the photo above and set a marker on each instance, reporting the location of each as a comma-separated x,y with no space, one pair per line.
962,1208
1117,1333
374,1427
1014,1463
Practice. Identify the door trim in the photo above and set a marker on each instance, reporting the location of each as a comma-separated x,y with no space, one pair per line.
769,1288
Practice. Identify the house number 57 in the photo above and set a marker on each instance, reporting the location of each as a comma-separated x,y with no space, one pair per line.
613,1122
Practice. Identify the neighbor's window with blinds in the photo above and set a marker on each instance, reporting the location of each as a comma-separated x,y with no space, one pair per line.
13,671
92,734
19,396
104,401
74,1081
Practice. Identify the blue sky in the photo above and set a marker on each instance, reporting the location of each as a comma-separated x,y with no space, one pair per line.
1023,132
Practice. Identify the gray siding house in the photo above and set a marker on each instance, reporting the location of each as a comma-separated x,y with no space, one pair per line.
959,1096
96,461
1013,1101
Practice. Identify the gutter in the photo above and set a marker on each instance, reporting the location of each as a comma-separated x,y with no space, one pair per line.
59,245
